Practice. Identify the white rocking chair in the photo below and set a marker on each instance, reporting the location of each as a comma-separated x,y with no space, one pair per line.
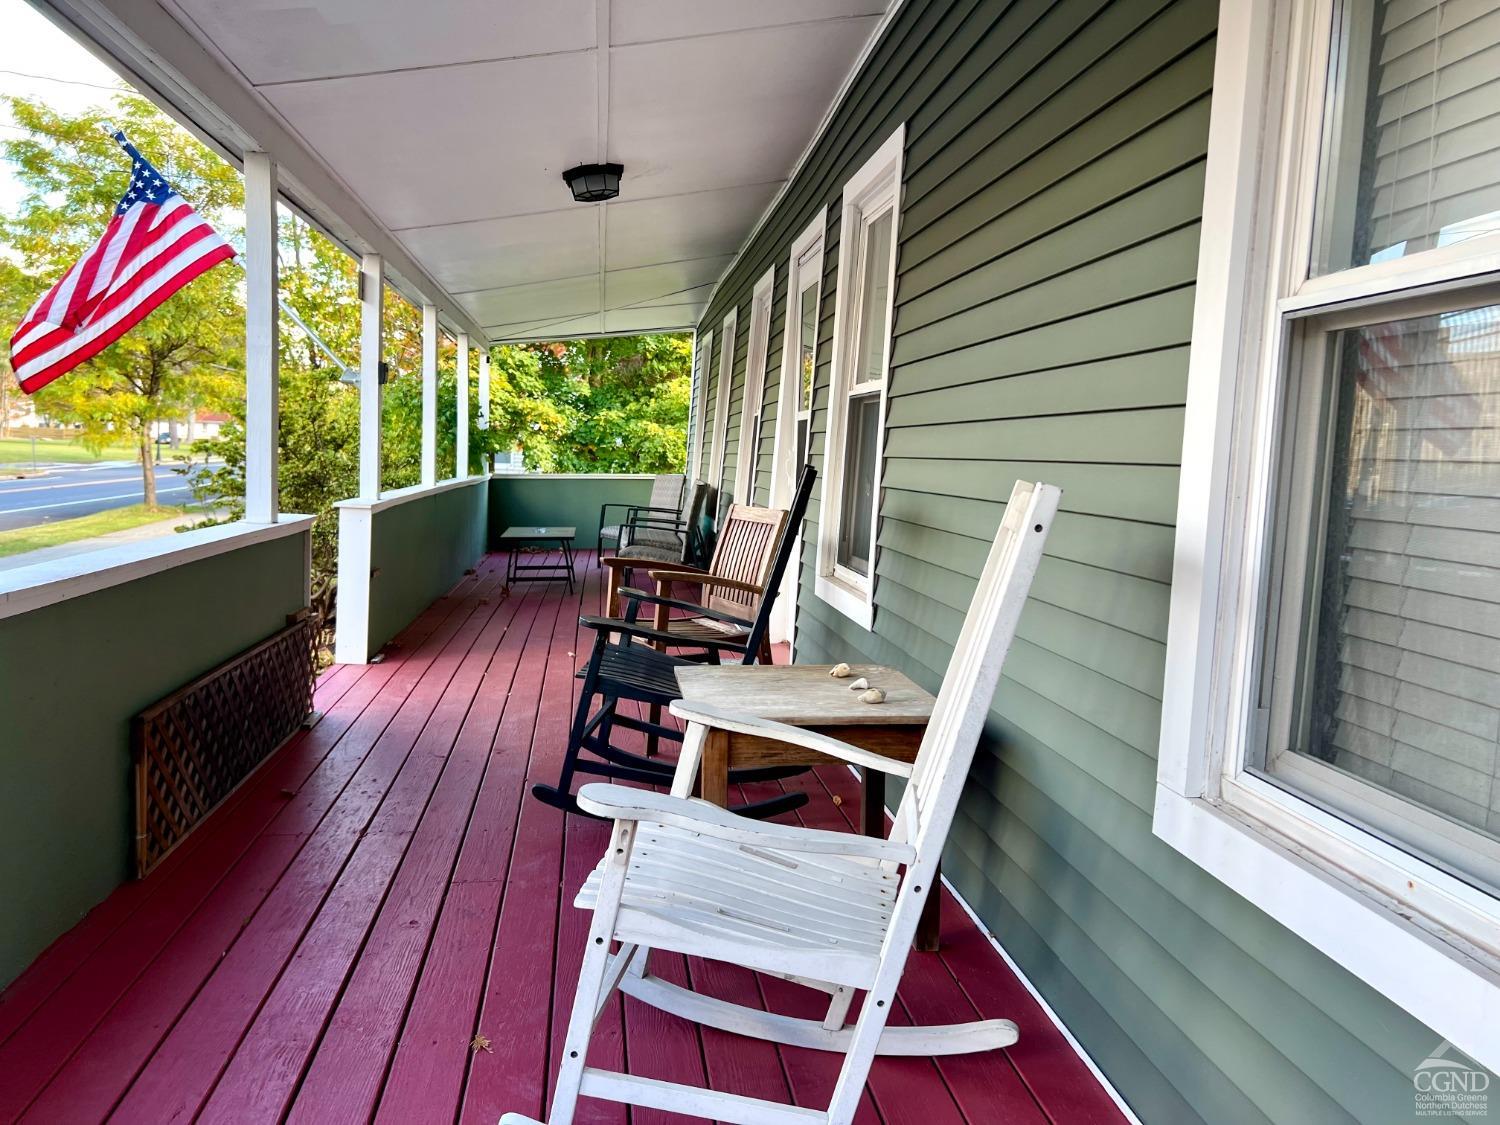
830,910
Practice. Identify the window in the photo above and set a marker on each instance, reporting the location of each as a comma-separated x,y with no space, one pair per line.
699,415
721,400
748,464
806,336
1331,720
862,332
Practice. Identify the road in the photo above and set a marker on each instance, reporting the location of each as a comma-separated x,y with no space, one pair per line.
80,490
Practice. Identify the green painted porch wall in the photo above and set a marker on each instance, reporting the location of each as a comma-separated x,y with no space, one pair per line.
419,549
572,501
1048,244
71,677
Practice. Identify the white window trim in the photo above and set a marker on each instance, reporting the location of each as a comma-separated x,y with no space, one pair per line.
876,184
1427,941
700,402
755,386
809,242
722,395
804,267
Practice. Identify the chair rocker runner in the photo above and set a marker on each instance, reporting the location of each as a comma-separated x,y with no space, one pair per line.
828,909
739,587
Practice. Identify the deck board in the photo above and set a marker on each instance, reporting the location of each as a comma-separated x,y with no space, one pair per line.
329,945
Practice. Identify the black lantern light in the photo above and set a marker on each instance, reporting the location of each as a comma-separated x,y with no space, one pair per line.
594,183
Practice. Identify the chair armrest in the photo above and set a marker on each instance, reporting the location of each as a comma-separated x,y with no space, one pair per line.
720,718
697,578
646,632
620,802
673,512
622,562
603,508
692,607
680,572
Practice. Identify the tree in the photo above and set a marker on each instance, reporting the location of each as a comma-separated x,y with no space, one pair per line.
319,408
617,405
189,353
12,309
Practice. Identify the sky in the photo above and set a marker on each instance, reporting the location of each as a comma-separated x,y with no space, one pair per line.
34,55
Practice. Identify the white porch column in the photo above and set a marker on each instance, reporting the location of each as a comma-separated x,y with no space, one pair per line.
461,457
262,376
429,395
484,388
371,332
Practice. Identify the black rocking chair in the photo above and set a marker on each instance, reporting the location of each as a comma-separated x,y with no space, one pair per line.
636,667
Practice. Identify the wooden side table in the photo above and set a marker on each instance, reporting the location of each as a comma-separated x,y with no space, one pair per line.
805,695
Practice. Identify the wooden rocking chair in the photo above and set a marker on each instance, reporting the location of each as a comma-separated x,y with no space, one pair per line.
629,659
828,909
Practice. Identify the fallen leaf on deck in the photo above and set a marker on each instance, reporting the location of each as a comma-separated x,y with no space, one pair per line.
480,1042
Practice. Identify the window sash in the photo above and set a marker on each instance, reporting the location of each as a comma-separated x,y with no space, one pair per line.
848,565
1299,521
757,371
723,391
857,506
807,350
861,358
1429,941
700,404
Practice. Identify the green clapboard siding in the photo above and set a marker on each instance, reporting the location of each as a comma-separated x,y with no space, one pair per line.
572,501
72,675
1048,243
419,549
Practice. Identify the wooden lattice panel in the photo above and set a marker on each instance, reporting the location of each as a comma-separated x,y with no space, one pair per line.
194,747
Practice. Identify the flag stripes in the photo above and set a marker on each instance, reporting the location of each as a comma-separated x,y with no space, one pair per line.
155,244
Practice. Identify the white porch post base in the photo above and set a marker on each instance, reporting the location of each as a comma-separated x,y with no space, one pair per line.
351,642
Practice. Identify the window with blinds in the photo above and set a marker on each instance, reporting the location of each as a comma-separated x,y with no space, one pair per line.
1380,670
1396,680
1412,131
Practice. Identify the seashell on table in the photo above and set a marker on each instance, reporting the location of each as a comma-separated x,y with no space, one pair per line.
840,671
873,695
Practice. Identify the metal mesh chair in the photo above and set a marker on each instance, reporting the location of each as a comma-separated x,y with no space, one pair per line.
667,492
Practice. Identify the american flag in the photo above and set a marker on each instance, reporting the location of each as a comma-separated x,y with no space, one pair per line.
154,245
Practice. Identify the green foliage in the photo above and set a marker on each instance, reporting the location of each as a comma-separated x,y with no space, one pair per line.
617,405
189,353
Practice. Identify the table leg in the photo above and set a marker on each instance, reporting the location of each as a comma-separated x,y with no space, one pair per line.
872,823
713,772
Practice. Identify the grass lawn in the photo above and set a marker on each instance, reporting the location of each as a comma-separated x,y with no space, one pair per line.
17,451
21,539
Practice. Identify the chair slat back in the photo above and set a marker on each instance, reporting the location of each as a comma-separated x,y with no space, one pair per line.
744,551
786,543
947,751
666,491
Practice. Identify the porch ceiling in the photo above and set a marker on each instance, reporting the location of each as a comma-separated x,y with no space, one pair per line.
453,120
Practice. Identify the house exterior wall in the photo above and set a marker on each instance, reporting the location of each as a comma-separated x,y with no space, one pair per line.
572,500
1047,247
72,674
419,549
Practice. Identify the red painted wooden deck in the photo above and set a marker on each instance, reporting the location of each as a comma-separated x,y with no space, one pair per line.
379,927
